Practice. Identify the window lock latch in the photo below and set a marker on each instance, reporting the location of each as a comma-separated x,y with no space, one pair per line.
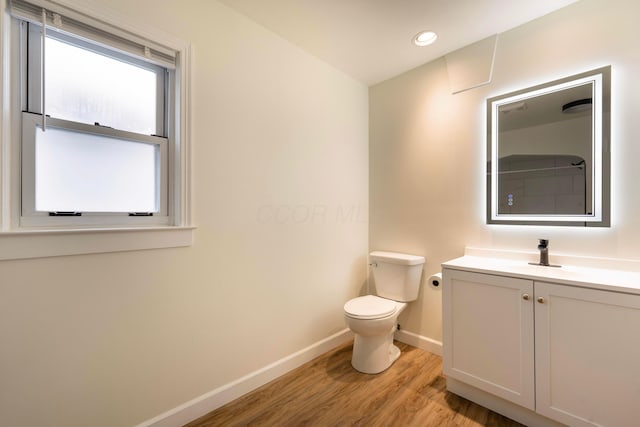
65,213
141,214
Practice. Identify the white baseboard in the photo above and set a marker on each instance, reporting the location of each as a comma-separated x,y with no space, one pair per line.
424,343
214,399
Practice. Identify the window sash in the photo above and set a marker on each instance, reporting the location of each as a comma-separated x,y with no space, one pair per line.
33,45
31,217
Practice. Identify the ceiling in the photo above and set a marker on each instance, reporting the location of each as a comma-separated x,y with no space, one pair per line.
544,108
371,39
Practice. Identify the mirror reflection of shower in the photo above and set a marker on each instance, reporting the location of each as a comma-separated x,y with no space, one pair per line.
538,184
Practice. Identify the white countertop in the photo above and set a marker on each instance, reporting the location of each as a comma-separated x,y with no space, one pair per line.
596,278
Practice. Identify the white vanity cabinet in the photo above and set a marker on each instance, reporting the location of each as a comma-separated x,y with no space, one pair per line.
546,351
488,334
587,355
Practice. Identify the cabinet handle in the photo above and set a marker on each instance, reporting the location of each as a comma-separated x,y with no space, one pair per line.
541,300
525,297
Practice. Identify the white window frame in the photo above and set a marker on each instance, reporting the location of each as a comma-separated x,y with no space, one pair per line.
31,79
20,238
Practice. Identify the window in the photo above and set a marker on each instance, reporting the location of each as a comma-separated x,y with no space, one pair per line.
74,168
87,84
100,124
93,132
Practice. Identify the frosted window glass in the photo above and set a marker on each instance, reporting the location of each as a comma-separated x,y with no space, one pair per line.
90,173
86,87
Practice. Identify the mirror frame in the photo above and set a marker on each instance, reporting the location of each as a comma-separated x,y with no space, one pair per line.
601,170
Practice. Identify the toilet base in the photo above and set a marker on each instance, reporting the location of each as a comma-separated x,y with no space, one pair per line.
372,355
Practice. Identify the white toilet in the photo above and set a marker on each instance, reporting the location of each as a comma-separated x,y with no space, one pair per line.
373,318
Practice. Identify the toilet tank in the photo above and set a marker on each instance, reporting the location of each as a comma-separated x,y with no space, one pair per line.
397,276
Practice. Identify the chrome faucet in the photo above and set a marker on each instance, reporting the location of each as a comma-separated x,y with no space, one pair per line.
543,247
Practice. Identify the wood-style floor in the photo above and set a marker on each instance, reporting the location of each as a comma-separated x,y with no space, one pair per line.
328,392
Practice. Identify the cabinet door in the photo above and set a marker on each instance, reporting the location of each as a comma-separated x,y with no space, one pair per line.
488,334
587,356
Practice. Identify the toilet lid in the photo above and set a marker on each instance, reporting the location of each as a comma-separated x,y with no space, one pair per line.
369,307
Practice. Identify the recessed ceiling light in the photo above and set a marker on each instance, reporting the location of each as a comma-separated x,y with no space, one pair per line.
424,38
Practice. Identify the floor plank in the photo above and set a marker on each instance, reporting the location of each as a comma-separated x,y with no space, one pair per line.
328,392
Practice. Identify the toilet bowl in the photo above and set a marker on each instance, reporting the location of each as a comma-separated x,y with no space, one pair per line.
373,319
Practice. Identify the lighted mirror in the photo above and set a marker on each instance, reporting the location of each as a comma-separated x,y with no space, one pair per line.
548,153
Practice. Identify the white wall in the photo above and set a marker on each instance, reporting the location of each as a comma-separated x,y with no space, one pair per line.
427,147
280,149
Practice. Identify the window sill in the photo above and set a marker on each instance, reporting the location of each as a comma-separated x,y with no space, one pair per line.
50,243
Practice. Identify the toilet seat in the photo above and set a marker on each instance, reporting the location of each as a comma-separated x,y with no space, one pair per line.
369,307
